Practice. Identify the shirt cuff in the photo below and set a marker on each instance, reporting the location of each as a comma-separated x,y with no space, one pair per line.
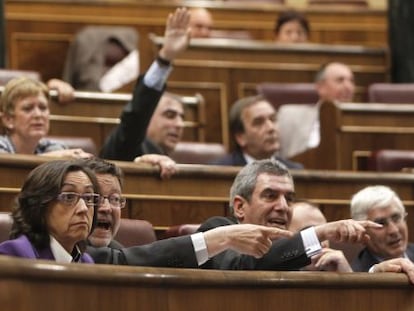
311,242
200,247
157,76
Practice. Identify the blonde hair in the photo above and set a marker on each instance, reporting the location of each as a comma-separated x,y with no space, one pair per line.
19,88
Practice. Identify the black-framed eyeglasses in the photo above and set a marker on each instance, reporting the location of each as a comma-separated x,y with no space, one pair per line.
396,219
72,198
115,200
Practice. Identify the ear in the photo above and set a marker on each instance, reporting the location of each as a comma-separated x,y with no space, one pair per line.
240,139
7,121
239,205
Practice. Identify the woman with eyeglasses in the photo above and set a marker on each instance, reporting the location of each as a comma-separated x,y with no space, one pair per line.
54,214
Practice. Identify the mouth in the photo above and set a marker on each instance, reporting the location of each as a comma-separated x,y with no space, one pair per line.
394,243
104,225
277,223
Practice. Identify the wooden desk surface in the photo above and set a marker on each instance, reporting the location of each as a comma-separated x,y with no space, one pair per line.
41,285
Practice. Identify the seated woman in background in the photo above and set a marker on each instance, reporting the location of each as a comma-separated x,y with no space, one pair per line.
54,214
25,116
292,27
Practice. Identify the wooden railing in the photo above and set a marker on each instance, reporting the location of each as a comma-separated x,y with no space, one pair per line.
45,285
198,192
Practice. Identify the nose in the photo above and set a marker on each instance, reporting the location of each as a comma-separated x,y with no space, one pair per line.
392,227
37,111
179,122
104,206
81,206
282,204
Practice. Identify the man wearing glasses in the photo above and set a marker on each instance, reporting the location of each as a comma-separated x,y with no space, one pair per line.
388,248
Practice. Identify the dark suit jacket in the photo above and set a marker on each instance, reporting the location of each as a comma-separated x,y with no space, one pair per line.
174,252
21,247
236,158
285,254
366,259
127,141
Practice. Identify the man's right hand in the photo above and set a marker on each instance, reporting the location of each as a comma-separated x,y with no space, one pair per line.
177,34
253,240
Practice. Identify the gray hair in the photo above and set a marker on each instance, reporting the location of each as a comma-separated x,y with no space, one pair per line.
246,179
373,197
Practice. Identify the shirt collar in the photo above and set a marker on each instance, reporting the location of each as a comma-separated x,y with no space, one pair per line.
60,254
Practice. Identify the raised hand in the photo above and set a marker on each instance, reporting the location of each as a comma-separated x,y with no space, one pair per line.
177,34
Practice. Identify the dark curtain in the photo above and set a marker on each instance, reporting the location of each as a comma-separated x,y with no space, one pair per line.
401,39
2,36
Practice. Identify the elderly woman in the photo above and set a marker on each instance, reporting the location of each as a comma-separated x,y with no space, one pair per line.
25,115
54,214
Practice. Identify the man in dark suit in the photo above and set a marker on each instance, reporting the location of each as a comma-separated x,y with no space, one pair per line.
261,194
253,126
152,123
382,205
186,251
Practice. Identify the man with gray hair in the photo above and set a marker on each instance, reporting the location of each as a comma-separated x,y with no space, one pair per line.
382,205
299,124
261,194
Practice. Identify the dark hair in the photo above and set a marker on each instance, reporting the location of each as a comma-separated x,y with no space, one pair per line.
235,121
101,166
291,15
41,187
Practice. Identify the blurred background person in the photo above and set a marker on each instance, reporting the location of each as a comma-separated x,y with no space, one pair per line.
255,132
201,23
25,117
305,215
292,27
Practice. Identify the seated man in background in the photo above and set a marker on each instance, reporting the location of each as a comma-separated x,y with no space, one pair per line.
262,193
388,248
201,23
306,215
253,125
186,251
137,135
299,123
291,27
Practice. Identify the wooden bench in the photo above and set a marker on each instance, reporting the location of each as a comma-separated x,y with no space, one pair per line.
198,192
351,131
241,64
46,30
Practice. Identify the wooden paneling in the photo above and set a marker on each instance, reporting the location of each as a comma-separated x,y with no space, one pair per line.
59,21
197,192
45,285
349,130
240,64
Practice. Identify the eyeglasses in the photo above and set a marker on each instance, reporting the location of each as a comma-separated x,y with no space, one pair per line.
115,200
394,218
72,198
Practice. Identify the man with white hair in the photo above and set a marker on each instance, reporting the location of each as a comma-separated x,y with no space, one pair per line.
388,248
